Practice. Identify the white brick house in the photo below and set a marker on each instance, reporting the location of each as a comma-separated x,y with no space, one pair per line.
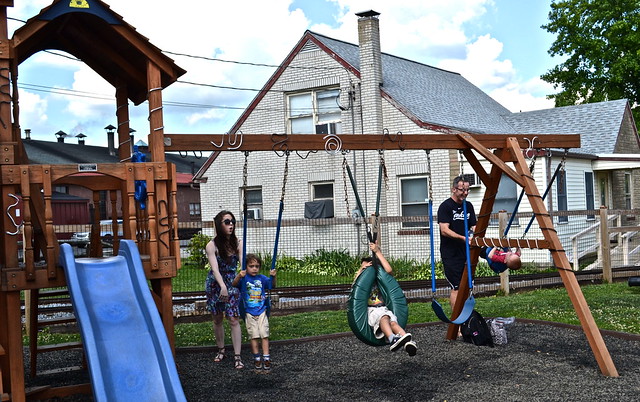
326,86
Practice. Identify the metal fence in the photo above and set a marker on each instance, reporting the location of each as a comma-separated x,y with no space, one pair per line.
314,247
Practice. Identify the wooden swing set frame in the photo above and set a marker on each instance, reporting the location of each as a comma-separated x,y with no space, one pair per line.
139,71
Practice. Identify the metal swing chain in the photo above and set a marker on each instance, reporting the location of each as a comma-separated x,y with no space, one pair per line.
385,176
429,184
346,191
244,180
285,175
461,158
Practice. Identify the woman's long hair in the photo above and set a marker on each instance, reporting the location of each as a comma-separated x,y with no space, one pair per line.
226,246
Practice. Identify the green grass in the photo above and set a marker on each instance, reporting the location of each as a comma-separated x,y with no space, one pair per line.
614,307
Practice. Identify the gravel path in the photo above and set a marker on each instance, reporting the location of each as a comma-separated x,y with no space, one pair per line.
541,362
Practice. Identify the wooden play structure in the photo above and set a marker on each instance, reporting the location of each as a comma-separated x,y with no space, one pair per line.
139,71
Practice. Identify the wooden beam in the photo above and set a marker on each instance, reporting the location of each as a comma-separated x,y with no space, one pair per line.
488,155
315,142
561,261
484,215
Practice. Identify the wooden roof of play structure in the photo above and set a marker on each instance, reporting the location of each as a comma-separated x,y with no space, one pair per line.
99,37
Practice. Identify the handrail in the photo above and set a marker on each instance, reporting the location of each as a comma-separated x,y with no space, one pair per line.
575,256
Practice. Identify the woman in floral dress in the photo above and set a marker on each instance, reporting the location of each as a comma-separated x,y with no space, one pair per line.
224,253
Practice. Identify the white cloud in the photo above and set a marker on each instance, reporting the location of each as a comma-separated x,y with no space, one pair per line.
258,31
525,97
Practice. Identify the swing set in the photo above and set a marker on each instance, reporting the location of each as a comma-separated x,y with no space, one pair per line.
507,148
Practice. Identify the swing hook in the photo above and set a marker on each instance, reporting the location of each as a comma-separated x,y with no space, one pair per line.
18,227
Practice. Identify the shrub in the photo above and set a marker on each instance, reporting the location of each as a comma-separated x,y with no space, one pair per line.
333,263
197,256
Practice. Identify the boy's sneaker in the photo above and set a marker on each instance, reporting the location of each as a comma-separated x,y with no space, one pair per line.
398,341
267,365
411,348
257,364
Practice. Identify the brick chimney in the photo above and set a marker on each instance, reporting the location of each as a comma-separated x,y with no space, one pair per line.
370,70
80,138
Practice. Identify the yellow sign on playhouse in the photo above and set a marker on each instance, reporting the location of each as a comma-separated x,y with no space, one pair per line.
79,4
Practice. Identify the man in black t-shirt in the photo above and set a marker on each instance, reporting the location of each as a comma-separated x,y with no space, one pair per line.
452,236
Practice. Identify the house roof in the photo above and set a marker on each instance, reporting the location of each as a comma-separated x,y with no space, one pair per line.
445,101
101,38
432,95
60,153
597,123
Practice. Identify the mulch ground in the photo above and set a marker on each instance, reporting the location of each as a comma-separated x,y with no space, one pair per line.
540,362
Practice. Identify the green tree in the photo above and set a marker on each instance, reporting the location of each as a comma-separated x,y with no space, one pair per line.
601,42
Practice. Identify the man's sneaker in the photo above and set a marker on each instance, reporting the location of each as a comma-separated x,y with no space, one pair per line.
257,364
267,365
398,341
411,348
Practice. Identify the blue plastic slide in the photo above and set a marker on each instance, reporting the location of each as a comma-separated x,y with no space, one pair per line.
125,343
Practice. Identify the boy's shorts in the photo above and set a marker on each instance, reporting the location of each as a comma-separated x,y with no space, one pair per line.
257,325
375,314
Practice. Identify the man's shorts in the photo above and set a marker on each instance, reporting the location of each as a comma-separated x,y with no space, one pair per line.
375,314
453,269
257,326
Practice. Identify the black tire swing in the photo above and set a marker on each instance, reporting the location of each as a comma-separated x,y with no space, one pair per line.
357,304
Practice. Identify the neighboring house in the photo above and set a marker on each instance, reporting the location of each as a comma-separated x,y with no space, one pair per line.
326,86
61,153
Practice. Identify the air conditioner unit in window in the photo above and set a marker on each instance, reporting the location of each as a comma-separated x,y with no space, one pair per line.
254,213
473,179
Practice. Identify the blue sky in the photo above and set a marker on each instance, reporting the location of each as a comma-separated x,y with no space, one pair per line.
498,45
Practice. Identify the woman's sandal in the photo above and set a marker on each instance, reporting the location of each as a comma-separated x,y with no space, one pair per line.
238,362
219,356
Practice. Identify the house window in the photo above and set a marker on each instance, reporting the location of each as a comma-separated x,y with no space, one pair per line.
627,190
414,200
61,189
321,204
506,199
322,191
589,194
315,112
561,186
194,210
254,202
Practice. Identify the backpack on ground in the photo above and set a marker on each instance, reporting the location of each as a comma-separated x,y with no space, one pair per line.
475,330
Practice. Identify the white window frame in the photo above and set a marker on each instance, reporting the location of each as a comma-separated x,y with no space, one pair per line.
195,209
403,203
322,108
590,198
313,186
628,190
254,205
561,193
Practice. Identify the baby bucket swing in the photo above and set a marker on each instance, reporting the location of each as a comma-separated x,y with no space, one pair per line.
389,288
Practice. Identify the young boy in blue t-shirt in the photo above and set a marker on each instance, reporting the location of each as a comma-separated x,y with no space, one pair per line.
253,287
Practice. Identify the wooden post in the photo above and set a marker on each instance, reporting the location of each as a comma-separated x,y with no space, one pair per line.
504,275
605,246
591,330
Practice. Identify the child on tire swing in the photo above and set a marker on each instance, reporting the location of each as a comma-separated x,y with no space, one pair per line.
383,321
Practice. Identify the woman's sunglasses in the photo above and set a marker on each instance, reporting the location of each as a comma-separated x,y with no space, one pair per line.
229,221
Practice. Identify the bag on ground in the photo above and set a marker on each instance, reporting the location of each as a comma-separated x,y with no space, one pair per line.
475,330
